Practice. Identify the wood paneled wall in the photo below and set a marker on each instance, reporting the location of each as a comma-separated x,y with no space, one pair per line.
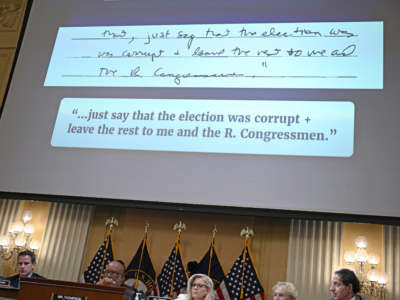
269,244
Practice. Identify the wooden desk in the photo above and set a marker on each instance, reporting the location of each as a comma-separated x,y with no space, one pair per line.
44,289
8,293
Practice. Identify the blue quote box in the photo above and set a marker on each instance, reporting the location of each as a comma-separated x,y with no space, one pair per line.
301,128
337,55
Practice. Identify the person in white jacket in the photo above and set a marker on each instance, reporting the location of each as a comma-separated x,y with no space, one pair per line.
199,287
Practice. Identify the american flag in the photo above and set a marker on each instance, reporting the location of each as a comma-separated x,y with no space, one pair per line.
242,281
173,277
99,262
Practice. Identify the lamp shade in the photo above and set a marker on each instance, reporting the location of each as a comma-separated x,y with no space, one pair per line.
26,216
29,229
16,227
361,255
373,275
20,242
373,260
361,242
383,278
34,245
4,241
349,257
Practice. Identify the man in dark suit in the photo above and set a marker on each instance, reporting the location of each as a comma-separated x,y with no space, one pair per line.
26,263
345,286
114,274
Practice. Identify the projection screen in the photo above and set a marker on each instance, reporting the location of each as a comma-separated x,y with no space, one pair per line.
245,104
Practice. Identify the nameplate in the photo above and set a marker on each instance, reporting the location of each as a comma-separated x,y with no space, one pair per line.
4,282
65,297
158,298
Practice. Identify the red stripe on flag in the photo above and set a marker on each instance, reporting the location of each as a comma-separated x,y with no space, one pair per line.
220,295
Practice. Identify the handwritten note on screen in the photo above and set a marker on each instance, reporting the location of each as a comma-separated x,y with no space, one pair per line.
338,55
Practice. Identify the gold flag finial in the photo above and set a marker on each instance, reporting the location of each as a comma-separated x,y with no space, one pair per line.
247,232
214,232
179,227
146,229
110,223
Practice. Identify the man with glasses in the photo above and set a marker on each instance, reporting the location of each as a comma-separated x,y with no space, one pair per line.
114,274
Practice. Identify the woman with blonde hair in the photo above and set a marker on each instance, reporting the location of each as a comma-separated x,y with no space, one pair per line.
284,291
199,287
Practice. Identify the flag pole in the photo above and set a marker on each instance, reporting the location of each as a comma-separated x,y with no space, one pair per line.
177,227
214,232
247,233
146,229
110,223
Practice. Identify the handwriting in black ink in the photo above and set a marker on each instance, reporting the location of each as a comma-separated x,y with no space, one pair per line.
306,32
340,32
134,53
201,52
272,32
244,33
267,52
135,72
211,33
107,72
159,35
177,77
347,51
190,37
314,52
104,54
109,33
294,52
237,51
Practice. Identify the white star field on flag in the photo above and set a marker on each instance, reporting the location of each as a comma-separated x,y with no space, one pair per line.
165,277
92,274
231,285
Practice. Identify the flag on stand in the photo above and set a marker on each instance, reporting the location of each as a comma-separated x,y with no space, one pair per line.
173,277
242,281
99,262
211,266
141,268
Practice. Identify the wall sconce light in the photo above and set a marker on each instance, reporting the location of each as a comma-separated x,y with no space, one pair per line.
372,281
18,238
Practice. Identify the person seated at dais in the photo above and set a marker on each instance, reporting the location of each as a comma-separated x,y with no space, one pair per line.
284,291
114,274
345,286
26,263
199,287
